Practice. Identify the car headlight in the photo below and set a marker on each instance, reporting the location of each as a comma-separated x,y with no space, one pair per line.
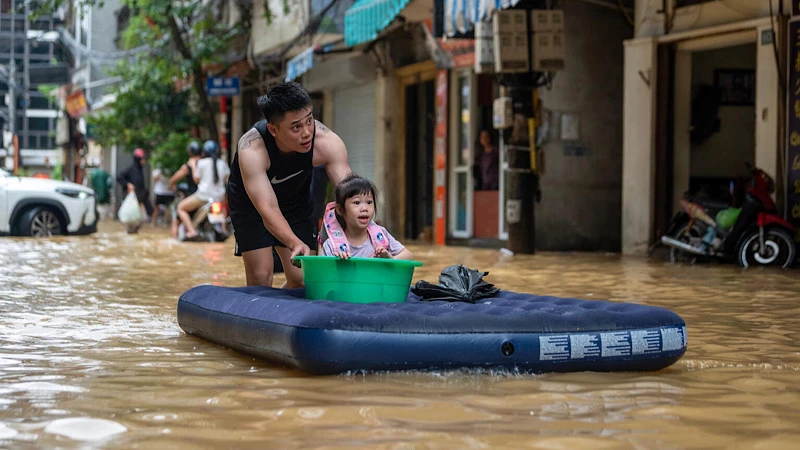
74,193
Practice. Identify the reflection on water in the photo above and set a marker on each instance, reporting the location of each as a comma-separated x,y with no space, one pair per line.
91,354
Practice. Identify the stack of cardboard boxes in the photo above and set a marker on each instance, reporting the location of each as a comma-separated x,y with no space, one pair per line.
511,45
510,27
547,40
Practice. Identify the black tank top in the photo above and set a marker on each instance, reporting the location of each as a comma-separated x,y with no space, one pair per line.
290,176
192,186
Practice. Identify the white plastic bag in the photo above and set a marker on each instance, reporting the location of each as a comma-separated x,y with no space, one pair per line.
129,212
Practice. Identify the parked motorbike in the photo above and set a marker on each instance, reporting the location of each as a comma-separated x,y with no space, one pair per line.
211,222
754,234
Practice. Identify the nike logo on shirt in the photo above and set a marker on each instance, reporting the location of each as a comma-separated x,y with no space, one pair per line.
275,180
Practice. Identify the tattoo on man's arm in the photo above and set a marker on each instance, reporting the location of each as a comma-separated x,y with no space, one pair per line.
322,127
248,139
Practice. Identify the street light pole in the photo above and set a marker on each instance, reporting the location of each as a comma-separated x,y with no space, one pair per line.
12,96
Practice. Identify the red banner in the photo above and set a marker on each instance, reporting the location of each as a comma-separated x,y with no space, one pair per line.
462,51
440,158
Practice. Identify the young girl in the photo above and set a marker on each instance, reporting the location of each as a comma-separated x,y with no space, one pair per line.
349,226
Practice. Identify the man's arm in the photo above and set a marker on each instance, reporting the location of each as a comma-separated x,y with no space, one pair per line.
334,154
254,162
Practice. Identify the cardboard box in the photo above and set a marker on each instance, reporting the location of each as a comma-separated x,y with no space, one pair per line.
510,39
484,47
547,51
547,20
510,21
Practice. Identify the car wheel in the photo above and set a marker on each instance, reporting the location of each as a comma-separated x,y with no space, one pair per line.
41,221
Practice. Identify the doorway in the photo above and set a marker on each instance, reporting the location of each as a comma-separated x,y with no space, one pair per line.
722,133
420,122
706,130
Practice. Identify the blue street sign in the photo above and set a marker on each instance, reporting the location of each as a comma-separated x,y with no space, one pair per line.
300,64
222,86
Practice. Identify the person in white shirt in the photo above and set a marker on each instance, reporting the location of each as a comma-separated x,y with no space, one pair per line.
164,195
211,175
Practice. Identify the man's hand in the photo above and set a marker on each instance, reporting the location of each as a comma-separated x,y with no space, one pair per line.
299,249
131,187
381,252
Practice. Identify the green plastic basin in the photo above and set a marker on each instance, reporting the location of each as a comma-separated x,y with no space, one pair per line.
357,280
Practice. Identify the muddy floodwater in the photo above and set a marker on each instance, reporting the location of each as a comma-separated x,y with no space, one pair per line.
91,356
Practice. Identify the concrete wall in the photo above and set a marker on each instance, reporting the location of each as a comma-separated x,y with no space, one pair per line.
638,127
651,23
270,37
768,117
581,202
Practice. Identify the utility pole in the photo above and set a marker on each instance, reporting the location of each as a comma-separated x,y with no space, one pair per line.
523,182
12,96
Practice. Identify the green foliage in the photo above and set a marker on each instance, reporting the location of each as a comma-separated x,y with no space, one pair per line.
47,89
57,172
185,39
171,152
148,113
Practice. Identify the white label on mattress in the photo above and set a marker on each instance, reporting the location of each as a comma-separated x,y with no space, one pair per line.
616,344
673,338
612,344
584,345
645,341
553,347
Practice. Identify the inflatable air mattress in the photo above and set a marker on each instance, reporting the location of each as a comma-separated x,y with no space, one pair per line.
511,331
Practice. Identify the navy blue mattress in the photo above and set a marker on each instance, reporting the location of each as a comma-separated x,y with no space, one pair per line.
511,331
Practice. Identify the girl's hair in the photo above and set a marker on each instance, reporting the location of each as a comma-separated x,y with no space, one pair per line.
351,186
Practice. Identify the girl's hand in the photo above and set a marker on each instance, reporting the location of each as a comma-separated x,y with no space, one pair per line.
381,252
342,255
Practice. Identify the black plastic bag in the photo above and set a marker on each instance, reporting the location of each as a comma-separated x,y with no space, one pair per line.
456,284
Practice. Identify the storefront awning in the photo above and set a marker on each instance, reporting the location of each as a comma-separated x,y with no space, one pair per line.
461,15
366,18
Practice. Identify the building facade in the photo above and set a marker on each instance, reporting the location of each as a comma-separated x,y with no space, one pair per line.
39,62
703,96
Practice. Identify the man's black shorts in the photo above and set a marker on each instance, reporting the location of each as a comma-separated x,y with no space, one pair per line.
252,235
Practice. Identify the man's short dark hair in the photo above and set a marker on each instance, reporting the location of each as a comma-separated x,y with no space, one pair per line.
281,99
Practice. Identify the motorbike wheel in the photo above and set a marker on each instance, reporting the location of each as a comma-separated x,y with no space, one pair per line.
207,232
779,249
688,236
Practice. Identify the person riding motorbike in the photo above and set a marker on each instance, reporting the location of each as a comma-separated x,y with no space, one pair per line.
188,186
211,174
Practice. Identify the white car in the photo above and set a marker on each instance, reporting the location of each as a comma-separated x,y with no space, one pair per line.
42,207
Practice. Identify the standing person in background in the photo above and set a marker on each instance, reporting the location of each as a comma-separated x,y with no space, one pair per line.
133,180
489,159
164,195
101,182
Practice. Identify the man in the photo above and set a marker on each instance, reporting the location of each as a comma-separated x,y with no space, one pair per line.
269,190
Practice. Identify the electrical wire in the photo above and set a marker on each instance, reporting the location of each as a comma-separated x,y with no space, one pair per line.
625,13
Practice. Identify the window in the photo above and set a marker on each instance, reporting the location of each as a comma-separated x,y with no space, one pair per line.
38,123
38,102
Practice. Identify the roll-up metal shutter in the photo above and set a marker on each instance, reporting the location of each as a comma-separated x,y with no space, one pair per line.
354,122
